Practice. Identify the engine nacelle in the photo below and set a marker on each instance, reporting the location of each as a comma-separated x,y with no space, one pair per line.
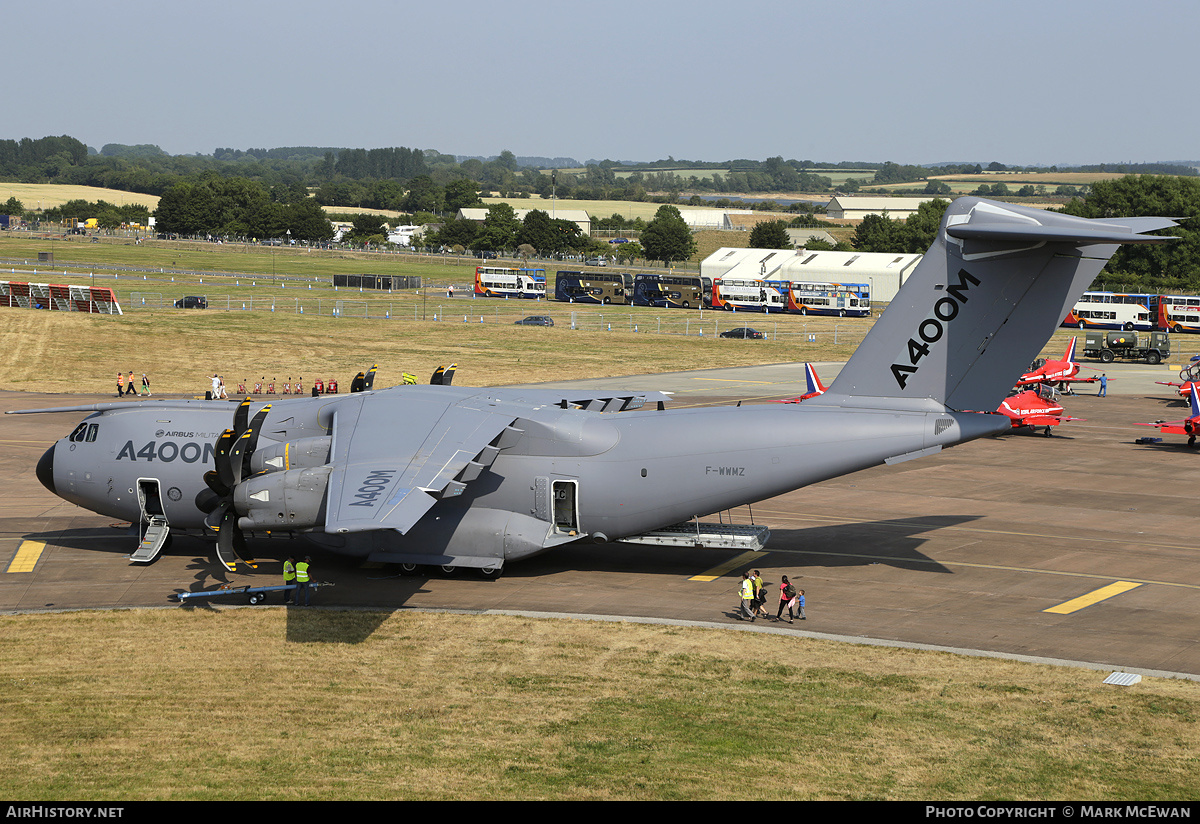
294,499
296,454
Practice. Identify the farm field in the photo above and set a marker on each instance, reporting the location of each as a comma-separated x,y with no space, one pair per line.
964,184
47,195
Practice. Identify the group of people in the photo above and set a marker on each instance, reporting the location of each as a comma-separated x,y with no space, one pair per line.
300,574
125,385
754,593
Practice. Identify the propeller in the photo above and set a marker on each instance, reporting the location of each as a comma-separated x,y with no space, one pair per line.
233,451
364,381
442,376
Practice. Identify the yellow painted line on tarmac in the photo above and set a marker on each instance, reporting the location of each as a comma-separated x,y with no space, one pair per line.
1094,597
27,556
733,563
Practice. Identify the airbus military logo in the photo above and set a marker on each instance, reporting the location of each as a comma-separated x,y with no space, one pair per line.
930,330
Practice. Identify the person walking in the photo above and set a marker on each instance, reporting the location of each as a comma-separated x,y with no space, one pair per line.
303,579
130,389
145,385
747,593
1103,385
289,578
787,598
120,384
760,594
800,606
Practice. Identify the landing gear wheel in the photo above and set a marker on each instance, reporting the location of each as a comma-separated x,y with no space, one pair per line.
257,597
447,569
409,569
491,573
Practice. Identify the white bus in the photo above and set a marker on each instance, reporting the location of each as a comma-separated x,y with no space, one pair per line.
506,282
841,299
750,295
1178,313
1113,310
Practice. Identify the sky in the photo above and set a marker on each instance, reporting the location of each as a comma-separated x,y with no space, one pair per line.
1055,82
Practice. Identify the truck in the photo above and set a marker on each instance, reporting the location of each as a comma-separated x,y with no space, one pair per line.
1151,347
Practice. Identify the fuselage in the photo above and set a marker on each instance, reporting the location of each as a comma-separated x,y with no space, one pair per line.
580,473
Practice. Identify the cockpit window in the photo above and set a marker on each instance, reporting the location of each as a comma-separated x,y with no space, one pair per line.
85,432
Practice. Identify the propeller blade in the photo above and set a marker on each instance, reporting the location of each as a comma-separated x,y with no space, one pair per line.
448,375
208,499
221,458
252,433
225,551
214,483
369,381
240,416
436,380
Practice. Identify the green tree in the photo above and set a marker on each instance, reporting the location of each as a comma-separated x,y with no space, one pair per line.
1149,266
667,237
499,229
461,194
770,234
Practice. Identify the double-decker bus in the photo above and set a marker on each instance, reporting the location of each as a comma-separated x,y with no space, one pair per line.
1178,313
750,295
818,298
1113,310
505,282
591,287
672,291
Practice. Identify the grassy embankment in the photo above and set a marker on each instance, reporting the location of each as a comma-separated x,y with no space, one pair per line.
259,703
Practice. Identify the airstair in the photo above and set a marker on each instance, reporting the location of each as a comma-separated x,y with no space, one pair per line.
751,537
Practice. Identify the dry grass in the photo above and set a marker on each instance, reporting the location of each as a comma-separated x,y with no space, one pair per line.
48,195
69,352
329,705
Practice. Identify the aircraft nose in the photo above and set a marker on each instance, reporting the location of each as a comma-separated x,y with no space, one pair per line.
45,470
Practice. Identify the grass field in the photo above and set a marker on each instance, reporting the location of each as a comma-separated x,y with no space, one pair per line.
257,703
260,703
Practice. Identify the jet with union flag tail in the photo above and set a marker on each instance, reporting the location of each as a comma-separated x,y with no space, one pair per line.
1189,426
1056,371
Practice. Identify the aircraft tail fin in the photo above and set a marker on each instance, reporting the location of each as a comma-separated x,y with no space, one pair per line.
814,383
1069,356
980,305
1194,397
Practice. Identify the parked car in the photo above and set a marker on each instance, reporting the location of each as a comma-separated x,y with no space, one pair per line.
192,302
596,262
535,320
742,332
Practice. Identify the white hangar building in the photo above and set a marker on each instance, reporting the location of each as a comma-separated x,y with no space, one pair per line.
577,216
856,208
884,272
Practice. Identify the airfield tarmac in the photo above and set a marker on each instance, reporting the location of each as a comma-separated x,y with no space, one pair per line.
1075,549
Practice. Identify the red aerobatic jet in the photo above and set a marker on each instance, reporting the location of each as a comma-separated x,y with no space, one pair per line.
1056,371
1034,408
1188,426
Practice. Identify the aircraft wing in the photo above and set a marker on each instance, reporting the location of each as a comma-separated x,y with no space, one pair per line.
391,464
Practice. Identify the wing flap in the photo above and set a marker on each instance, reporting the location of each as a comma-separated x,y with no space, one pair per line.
389,472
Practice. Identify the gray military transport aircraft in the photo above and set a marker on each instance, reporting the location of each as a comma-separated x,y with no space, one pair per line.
477,477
